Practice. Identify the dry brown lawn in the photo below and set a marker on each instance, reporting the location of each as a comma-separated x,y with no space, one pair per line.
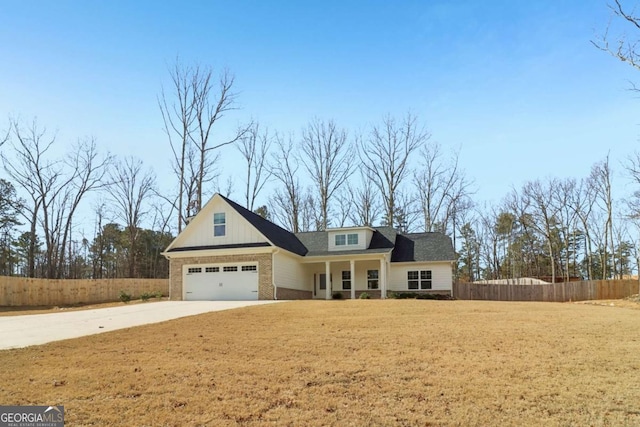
347,363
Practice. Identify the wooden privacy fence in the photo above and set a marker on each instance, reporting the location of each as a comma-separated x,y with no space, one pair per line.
23,291
552,292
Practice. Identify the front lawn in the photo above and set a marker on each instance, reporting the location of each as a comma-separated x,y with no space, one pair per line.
391,362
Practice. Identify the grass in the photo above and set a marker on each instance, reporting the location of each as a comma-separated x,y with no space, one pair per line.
318,363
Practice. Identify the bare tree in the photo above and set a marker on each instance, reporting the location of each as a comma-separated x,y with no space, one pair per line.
287,200
364,207
441,186
85,172
385,155
130,187
30,146
196,105
254,147
56,188
328,160
619,45
539,196
582,201
601,181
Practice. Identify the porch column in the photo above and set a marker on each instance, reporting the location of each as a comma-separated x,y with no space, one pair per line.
383,278
327,271
353,279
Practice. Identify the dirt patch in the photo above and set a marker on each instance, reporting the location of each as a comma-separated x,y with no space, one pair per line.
320,363
632,302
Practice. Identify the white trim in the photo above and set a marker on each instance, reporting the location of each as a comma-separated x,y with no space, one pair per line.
273,275
344,257
328,288
352,266
220,252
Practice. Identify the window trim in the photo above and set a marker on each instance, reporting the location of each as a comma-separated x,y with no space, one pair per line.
219,225
346,280
346,239
371,279
423,280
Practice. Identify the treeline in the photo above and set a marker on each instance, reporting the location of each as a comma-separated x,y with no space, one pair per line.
40,201
394,174
323,176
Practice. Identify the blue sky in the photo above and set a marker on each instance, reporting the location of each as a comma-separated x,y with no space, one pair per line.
515,85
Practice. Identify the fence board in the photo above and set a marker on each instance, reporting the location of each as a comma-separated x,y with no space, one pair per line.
23,291
553,292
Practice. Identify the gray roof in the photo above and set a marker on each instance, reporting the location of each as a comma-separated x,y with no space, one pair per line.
404,247
423,247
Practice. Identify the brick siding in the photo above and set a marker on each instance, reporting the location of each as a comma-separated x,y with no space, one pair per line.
286,294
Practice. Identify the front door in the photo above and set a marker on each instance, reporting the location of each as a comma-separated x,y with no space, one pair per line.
320,285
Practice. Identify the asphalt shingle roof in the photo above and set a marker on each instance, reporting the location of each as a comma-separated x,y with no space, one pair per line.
405,247
423,247
277,235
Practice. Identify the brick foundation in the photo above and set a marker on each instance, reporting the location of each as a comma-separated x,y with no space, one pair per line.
290,294
265,288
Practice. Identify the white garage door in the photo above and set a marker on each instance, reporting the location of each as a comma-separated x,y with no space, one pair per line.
228,282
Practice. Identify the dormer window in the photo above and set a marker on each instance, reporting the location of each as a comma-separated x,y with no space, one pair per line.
219,224
346,239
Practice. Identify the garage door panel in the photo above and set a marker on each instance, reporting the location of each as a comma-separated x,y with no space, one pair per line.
229,282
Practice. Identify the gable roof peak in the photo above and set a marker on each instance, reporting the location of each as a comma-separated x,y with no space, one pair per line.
277,235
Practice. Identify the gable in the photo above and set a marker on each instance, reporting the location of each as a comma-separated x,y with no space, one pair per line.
200,231
242,228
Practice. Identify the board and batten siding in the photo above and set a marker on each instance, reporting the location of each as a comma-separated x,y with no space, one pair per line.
441,275
238,230
289,273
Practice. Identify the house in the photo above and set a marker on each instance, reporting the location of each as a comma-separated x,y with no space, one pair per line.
227,252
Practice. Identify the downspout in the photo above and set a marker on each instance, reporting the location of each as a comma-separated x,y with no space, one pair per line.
273,274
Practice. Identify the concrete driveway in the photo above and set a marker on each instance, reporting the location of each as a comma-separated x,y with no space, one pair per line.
35,329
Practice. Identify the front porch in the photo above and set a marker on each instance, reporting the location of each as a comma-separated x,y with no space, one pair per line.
350,276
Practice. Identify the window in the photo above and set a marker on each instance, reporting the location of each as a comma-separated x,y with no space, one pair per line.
346,279
194,270
419,279
212,269
372,279
412,279
249,268
346,239
231,268
219,224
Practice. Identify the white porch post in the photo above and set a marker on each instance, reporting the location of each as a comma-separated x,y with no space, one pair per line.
327,271
353,279
383,278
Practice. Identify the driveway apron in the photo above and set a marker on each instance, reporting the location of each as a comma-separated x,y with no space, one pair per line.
35,329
